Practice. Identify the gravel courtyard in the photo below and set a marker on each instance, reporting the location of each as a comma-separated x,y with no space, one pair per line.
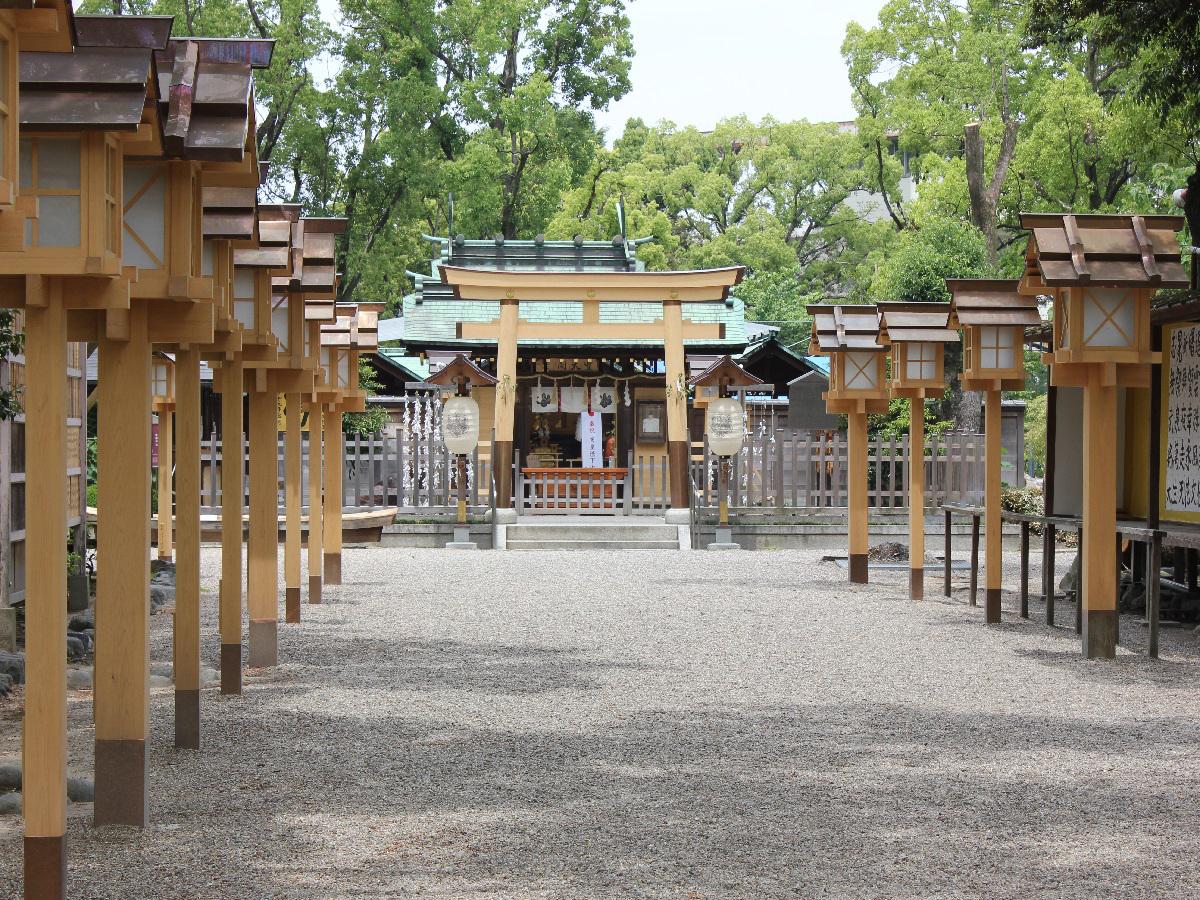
654,724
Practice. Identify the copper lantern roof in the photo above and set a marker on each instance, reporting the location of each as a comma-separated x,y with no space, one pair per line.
991,302
838,327
1120,250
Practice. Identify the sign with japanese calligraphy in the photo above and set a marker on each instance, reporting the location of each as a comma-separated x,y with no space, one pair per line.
1181,438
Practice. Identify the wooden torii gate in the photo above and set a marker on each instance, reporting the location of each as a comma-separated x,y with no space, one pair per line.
672,289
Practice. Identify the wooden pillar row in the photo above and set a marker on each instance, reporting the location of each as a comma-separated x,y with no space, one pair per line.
993,559
316,501
262,585
187,568
44,744
233,465
292,489
122,682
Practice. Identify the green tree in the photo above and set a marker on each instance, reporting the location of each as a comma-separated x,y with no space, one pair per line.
375,417
1158,42
777,298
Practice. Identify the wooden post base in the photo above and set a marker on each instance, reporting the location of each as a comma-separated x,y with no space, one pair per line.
314,588
291,605
502,466
231,668
916,584
333,568
264,644
991,606
121,773
858,568
187,720
1100,634
45,867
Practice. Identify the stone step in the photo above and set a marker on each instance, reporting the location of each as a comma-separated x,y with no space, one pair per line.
587,532
524,544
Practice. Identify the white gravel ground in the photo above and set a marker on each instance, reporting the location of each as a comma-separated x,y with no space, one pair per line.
651,724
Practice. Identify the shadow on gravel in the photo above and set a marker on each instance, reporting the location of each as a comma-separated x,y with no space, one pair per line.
822,800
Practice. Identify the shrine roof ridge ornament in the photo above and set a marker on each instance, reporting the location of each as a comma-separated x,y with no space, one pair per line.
1118,250
503,284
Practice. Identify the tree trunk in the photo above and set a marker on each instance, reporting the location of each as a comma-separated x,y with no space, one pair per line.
986,195
968,418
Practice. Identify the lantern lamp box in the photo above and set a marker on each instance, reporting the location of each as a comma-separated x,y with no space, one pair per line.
1102,272
849,335
992,316
917,334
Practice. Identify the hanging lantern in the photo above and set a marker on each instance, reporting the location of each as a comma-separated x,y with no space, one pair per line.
724,426
460,425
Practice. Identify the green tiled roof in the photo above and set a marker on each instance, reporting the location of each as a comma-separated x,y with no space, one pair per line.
432,315
434,323
414,364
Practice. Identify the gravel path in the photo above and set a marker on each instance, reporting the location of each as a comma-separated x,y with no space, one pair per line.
648,724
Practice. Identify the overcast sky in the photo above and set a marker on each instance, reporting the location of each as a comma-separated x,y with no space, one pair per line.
699,61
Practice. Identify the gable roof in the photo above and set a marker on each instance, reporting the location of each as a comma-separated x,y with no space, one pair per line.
1122,250
916,322
844,326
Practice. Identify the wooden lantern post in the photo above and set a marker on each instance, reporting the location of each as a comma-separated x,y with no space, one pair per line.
63,231
229,201
463,376
917,334
715,383
992,316
164,407
165,239
1102,272
354,330
849,336
255,306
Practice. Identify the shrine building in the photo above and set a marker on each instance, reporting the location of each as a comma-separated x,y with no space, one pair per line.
576,333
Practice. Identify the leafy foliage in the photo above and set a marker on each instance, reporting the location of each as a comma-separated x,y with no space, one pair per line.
375,417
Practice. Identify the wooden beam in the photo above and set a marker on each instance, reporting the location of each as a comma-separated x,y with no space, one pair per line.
263,584
44,748
613,332
182,322
187,569
122,685
233,465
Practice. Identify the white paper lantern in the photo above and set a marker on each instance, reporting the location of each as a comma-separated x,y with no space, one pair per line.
460,425
723,424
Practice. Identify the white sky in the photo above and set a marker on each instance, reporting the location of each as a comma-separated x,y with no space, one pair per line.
699,61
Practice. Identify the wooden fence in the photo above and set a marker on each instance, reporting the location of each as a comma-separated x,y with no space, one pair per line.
788,469
776,470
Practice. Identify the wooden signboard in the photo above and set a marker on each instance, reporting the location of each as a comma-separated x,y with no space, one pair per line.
1180,498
